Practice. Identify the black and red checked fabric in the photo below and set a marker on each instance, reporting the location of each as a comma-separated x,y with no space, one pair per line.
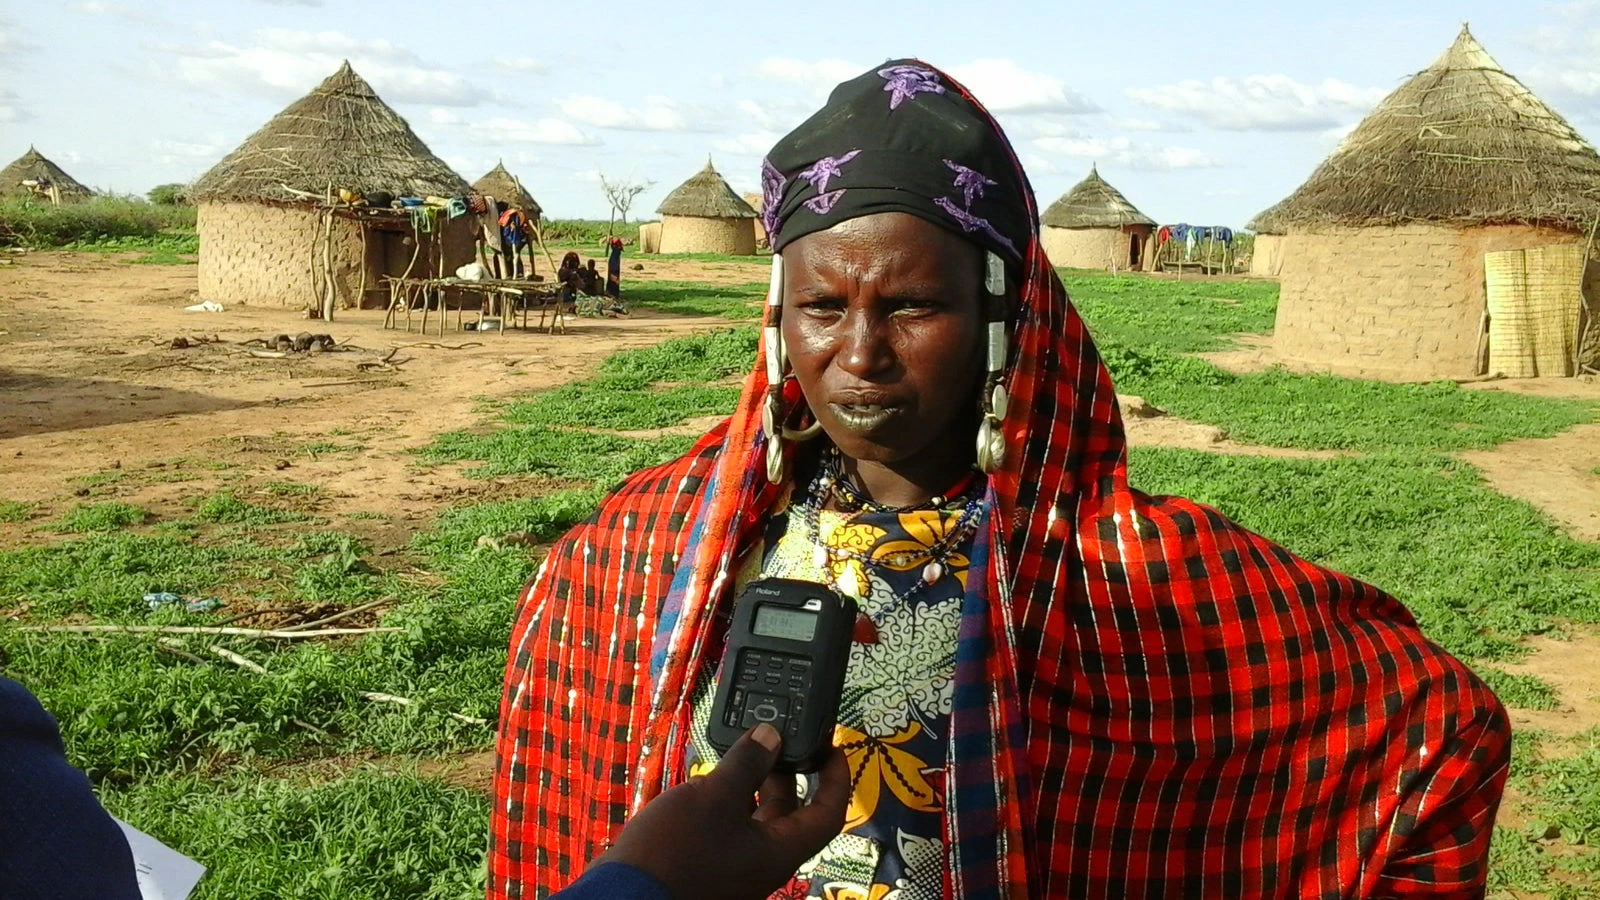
1173,705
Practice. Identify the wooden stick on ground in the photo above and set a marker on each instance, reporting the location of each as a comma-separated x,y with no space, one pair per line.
201,629
377,697
343,614
240,661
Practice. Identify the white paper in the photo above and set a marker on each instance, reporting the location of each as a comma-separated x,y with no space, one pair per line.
163,873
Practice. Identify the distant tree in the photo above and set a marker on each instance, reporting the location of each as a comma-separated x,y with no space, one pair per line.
621,194
169,194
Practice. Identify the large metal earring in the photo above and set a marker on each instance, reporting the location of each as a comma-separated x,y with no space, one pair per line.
993,398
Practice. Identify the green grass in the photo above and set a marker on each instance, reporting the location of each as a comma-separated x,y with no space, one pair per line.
621,405
372,834
586,234
290,489
87,517
15,511
94,221
1479,569
578,455
225,508
740,301
318,448
1520,691
1185,317
1324,412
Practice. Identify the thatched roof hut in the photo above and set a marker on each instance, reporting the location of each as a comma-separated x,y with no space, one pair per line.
507,189
1093,226
756,202
262,232
704,215
1266,252
341,135
35,167
1384,265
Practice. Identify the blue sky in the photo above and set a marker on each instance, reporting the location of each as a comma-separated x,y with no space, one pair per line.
1201,113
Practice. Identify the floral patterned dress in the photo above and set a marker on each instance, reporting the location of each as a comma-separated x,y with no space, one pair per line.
895,712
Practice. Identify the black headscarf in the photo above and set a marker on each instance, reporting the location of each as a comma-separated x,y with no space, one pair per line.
899,139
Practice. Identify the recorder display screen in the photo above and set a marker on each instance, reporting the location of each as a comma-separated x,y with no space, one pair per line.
785,623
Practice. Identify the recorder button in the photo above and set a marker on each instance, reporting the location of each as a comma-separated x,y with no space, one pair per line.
766,708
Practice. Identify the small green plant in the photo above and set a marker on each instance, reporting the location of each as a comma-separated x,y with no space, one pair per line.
290,489
318,448
225,508
741,301
15,511
87,517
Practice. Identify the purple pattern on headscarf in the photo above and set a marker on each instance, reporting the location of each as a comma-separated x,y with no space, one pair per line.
970,182
826,169
822,204
970,223
905,82
772,186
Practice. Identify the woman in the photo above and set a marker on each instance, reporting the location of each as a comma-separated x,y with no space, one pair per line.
613,246
1061,686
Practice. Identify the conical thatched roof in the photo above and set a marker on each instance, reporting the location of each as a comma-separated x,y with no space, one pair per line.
34,166
1268,221
341,134
706,196
507,188
1092,203
1460,142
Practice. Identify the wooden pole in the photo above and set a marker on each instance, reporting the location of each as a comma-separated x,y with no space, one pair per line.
361,292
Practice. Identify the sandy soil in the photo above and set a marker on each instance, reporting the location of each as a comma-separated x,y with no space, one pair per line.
1569,665
89,384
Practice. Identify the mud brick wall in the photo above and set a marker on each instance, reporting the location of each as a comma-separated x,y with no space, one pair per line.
1403,302
1266,259
1092,248
260,254
690,234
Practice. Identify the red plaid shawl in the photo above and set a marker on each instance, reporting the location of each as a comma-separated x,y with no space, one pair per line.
1163,704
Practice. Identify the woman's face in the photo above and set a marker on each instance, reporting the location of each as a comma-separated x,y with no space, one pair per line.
883,320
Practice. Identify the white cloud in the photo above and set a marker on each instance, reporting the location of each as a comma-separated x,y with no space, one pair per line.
1262,102
526,65
821,73
1133,123
11,108
752,143
291,2
13,42
283,62
105,9
1120,151
1003,86
189,152
501,130
656,114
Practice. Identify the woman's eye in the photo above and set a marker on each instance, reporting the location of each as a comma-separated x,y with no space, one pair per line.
823,305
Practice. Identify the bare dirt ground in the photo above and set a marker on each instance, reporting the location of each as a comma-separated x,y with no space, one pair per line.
89,385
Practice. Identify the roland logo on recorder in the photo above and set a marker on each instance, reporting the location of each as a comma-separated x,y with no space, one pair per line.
784,665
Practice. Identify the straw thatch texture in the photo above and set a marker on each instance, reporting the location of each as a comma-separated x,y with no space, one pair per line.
1268,221
705,196
1092,203
507,189
341,134
1460,142
34,166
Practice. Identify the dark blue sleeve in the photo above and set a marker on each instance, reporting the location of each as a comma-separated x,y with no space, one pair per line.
56,840
614,881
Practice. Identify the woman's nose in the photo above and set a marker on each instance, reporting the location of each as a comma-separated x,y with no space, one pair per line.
865,350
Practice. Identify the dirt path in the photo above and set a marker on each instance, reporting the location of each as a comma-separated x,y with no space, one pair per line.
91,389
1569,666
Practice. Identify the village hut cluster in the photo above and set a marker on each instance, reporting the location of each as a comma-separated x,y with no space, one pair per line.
1450,235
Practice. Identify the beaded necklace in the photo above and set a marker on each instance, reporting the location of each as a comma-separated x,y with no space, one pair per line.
830,483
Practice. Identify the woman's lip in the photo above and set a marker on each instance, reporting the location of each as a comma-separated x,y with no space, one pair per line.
865,418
